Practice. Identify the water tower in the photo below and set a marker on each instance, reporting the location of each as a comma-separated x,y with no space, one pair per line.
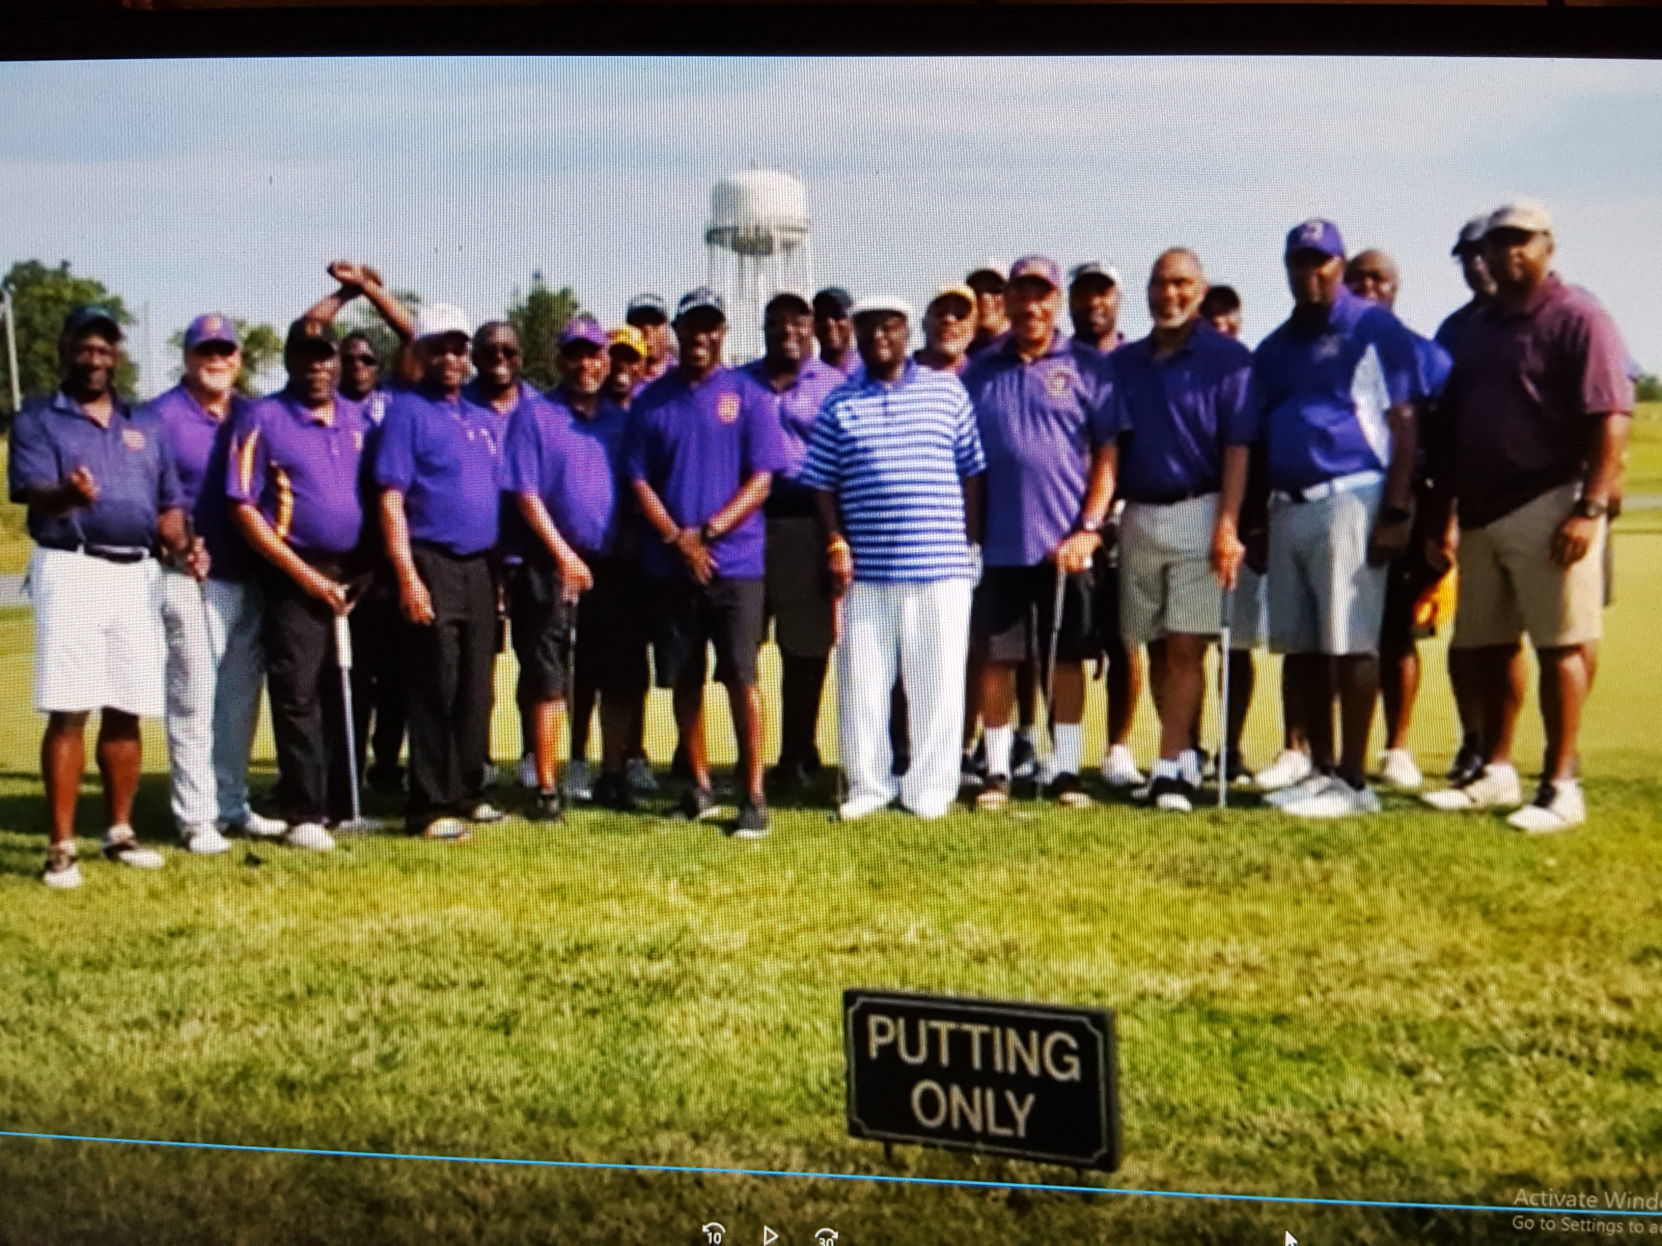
758,244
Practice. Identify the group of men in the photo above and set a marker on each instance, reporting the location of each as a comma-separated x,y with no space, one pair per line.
965,526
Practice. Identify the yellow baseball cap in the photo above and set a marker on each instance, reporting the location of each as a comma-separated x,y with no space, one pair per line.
955,289
628,335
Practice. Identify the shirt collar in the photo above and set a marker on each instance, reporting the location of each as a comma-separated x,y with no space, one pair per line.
1059,345
63,403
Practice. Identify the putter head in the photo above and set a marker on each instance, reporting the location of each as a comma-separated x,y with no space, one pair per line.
359,825
251,858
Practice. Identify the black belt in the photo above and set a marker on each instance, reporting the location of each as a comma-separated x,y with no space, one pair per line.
1175,498
109,553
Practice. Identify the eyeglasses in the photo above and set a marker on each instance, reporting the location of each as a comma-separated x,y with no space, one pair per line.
214,350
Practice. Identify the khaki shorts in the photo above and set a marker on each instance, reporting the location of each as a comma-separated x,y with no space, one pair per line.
1249,612
799,587
1325,596
1510,586
1166,581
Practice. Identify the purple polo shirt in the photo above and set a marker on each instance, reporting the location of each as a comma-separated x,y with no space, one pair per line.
445,456
1324,390
303,474
201,447
849,366
128,459
796,408
1039,422
1082,344
1177,414
1525,392
574,463
695,445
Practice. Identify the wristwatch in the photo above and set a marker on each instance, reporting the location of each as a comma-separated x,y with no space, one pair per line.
708,535
1092,527
1587,508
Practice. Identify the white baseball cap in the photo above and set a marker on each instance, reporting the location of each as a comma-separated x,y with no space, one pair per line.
881,303
439,319
1526,214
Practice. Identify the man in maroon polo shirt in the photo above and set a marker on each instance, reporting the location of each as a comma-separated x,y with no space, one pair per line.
1539,407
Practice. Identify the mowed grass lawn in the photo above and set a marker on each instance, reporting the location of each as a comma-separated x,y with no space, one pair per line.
1415,1007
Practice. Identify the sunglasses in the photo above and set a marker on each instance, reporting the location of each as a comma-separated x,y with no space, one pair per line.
215,350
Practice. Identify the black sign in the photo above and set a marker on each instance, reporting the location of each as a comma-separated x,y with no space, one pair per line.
1029,1080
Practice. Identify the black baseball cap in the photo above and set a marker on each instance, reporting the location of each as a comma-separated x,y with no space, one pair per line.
92,316
833,301
311,335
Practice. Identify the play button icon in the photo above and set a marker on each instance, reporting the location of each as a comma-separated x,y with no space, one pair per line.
769,1237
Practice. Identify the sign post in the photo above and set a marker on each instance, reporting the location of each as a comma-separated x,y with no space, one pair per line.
1032,1081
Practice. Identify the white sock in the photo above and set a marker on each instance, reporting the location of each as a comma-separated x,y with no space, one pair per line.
1164,769
1069,743
998,741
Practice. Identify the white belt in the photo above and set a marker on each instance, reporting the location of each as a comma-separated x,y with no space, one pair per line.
1339,484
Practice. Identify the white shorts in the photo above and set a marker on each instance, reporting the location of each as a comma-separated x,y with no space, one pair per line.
98,634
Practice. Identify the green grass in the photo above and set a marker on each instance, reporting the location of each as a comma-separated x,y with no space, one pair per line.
1416,1008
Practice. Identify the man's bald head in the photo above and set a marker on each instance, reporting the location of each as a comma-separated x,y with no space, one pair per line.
1373,275
1176,286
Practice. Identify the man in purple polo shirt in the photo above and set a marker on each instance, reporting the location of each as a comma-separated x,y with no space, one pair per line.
1044,410
1094,309
439,467
563,470
295,478
834,330
1336,387
626,355
215,657
701,449
1465,682
100,490
1186,424
1373,275
1539,407
794,385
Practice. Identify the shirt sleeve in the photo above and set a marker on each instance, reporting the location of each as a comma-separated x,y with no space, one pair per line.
967,452
1399,361
1238,405
1435,364
764,436
1604,382
170,492
395,456
245,471
33,462
521,470
1104,420
822,469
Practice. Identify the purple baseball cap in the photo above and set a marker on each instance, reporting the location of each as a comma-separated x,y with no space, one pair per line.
1315,234
211,327
1040,266
584,329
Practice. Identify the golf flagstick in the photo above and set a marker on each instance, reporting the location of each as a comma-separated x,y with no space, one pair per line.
1225,628
343,659
838,605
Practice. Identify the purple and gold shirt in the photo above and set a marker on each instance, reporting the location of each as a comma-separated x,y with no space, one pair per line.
302,470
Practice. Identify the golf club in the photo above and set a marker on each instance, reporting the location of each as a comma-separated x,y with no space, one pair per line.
1056,604
1225,611
343,659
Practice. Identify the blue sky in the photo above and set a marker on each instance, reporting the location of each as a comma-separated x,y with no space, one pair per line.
227,185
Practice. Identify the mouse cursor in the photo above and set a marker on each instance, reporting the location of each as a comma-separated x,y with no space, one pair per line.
1287,1239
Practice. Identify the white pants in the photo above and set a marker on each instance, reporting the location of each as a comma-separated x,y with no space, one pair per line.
215,669
920,632
98,634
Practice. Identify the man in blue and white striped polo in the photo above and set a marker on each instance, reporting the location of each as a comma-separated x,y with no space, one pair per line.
895,460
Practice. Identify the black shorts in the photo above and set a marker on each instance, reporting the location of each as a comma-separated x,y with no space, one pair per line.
689,617
611,629
1012,609
1105,601
541,626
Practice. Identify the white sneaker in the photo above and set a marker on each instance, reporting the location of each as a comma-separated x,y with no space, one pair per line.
1188,763
1119,768
1497,787
1291,767
528,772
255,826
121,845
484,811
204,840
62,872
1398,770
865,806
1336,799
1556,807
579,780
637,773
309,835
1309,785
